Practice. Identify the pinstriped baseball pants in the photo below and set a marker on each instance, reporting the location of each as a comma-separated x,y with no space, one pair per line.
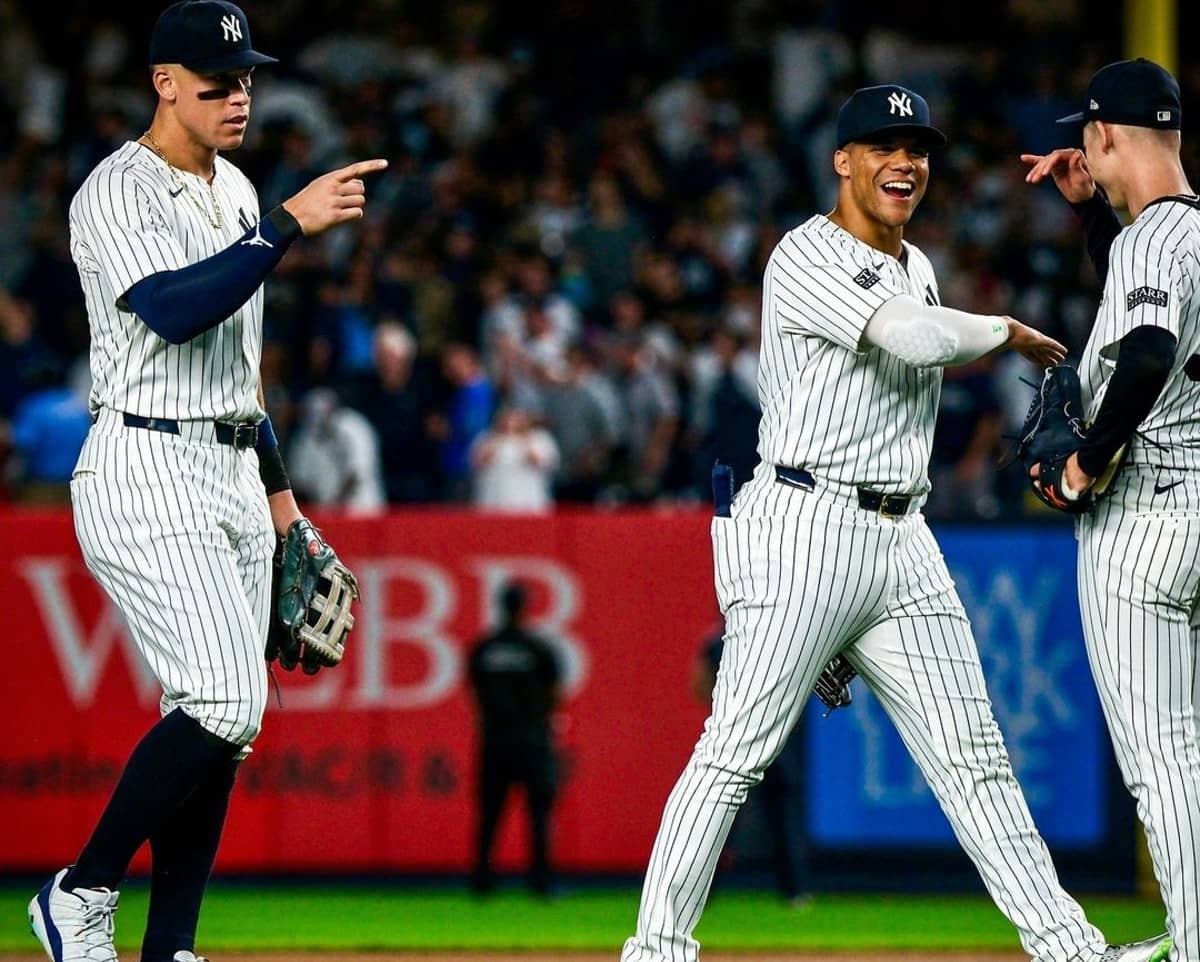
1139,589
803,576
177,531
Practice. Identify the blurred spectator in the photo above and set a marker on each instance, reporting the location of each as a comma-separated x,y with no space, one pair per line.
576,419
609,239
48,431
651,414
725,406
333,458
22,353
513,464
398,400
468,414
515,678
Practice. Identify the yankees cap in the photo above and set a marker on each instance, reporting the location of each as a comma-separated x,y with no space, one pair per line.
888,109
206,36
1135,93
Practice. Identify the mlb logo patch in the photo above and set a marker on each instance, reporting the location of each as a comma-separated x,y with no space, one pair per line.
866,278
1145,295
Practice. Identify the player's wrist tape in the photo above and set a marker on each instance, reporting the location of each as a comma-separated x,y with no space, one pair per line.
181,304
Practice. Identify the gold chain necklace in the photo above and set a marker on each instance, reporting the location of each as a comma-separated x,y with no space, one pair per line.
182,185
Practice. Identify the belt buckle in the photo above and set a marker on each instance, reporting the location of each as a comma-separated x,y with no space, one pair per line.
245,436
894,505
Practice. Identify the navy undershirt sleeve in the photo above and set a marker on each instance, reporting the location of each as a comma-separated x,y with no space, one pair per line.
1144,363
181,304
1100,228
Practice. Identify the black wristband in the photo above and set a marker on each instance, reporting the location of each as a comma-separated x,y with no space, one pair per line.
274,475
285,223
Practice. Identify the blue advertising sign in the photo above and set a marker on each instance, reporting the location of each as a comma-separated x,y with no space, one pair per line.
864,789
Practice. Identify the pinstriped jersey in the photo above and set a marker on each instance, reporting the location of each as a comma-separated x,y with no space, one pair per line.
845,410
133,217
1154,279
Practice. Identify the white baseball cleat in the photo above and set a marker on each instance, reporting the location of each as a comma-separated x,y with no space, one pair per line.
183,955
1152,950
75,926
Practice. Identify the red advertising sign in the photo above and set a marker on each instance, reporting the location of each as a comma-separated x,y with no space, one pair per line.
370,767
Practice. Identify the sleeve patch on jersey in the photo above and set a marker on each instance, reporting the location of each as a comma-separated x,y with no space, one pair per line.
1145,295
866,278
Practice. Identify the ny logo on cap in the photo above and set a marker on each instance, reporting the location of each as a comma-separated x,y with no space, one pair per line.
900,103
231,28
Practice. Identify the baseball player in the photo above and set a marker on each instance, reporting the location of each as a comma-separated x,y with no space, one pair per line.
1139,547
179,490
825,551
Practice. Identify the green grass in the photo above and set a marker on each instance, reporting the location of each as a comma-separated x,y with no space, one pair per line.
356,917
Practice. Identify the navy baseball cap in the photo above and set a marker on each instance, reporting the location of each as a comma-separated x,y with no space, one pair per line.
1136,93
206,36
887,109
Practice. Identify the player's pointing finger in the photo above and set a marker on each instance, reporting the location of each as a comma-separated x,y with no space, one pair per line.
362,167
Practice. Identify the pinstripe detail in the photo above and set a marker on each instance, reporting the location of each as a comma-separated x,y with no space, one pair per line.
179,536
864,418
1159,251
801,577
125,226
175,528
1139,587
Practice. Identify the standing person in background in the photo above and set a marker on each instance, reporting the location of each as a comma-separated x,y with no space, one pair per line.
1138,568
468,414
180,494
513,464
515,677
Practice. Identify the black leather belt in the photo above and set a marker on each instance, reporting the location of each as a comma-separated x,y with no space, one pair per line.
240,436
887,505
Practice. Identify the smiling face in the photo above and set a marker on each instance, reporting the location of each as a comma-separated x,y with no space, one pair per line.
213,108
883,181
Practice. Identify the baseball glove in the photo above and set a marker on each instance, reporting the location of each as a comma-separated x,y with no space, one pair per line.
833,684
311,598
1052,432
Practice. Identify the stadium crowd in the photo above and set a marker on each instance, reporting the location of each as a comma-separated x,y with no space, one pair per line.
555,296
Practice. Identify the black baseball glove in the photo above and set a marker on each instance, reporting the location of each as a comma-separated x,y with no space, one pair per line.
311,595
833,684
1052,432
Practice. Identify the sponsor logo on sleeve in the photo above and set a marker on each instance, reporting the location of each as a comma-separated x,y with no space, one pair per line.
1145,295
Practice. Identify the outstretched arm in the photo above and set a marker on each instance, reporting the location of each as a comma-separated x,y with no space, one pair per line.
926,335
181,304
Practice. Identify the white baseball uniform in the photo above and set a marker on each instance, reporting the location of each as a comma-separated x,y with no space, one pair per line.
804,572
1139,555
174,526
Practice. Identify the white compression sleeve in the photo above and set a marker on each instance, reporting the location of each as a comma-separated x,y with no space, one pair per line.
926,335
